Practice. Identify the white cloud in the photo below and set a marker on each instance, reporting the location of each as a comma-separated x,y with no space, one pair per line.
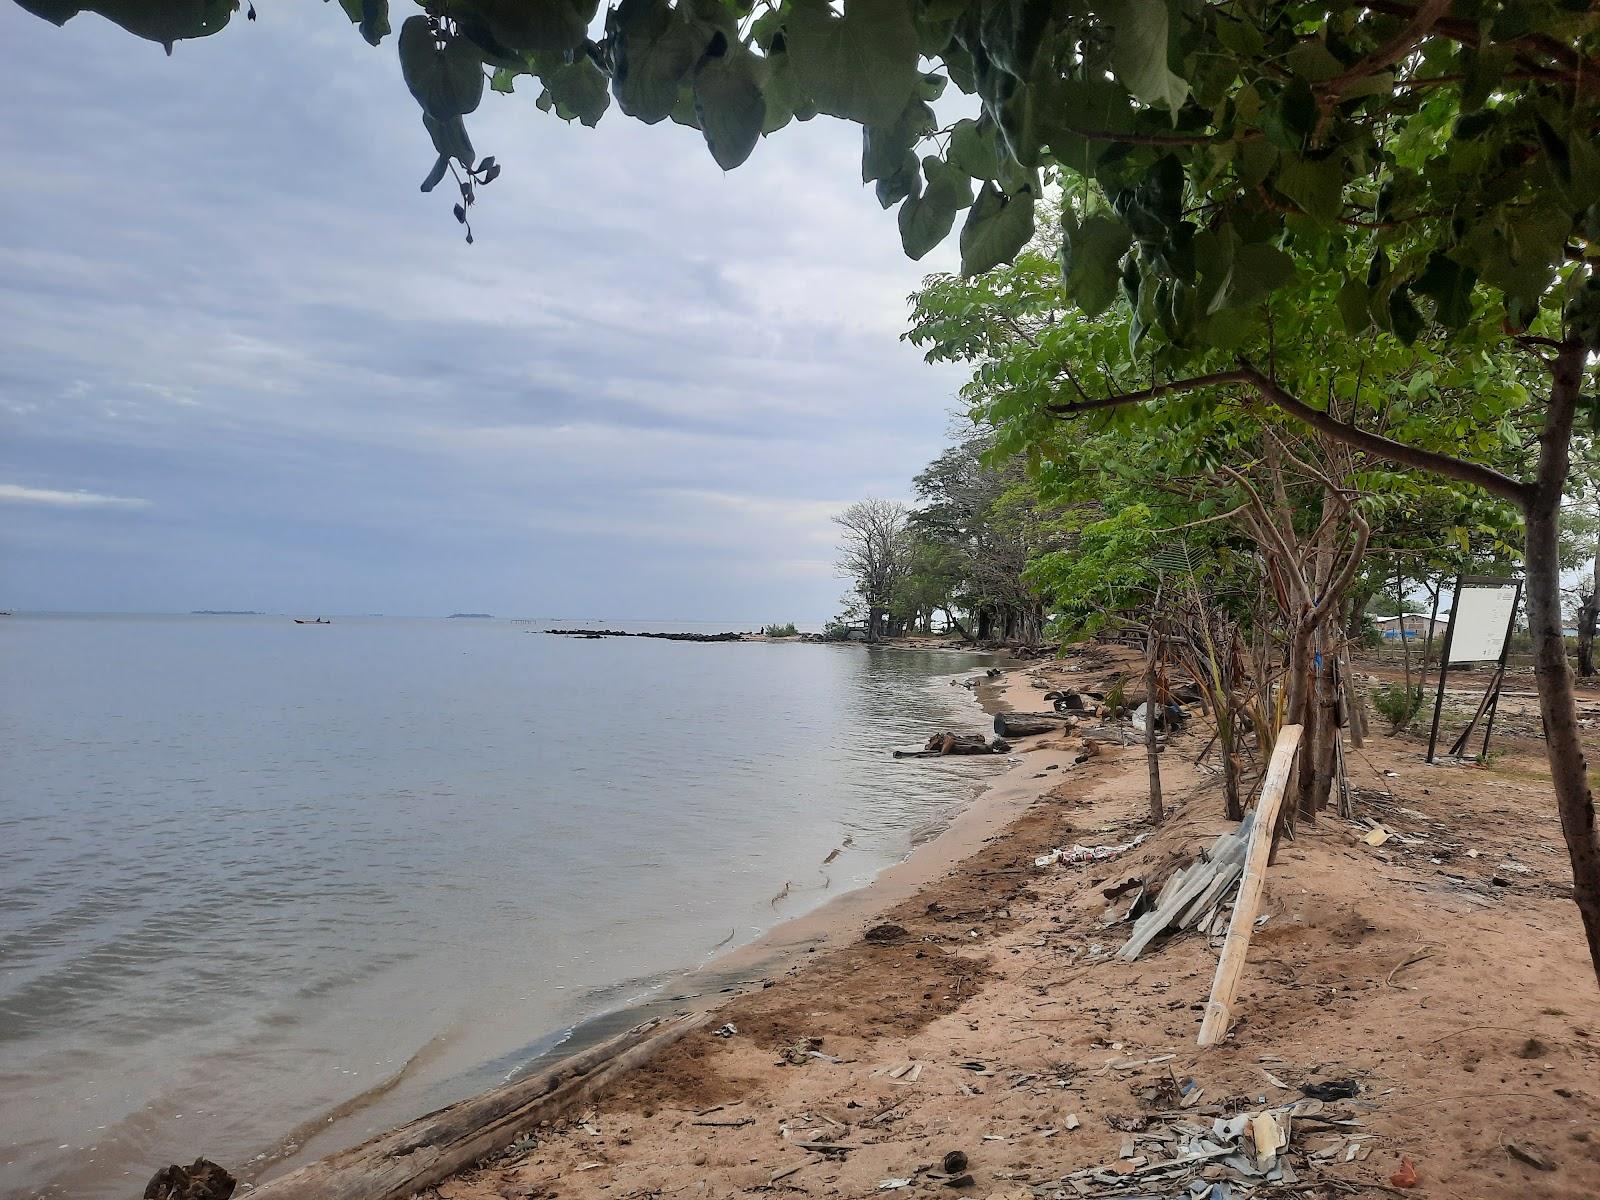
15,493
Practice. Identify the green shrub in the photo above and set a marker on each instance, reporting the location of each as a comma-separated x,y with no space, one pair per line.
1398,703
785,630
836,631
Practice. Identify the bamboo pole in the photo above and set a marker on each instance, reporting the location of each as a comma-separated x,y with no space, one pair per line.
1219,1009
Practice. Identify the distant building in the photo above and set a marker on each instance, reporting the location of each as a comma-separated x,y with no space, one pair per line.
1415,625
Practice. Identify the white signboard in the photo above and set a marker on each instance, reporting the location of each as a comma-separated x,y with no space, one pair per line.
1482,615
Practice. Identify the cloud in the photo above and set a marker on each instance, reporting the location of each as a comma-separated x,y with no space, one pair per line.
226,294
15,493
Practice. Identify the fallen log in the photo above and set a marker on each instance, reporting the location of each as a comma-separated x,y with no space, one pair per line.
417,1156
942,744
1013,724
1219,1009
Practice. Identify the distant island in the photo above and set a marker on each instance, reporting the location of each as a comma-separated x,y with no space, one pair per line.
225,612
475,616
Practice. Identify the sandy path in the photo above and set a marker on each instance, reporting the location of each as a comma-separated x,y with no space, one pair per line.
1492,1038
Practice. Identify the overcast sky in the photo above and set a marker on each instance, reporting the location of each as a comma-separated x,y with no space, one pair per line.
245,363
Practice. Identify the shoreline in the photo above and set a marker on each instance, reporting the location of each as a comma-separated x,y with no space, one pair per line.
994,1019
705,986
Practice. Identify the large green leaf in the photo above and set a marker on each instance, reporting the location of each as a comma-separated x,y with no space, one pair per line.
450,138
1090,255
884,147
444,71
1258,271
1449,285
729,105
1139,54
975,148
654,49
997,227
546,27
1317,186
861,66
371,15
924,223
579,90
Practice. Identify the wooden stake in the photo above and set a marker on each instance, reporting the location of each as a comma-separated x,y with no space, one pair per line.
1219,1009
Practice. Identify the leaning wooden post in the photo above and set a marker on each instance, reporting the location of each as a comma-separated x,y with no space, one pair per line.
1219,1009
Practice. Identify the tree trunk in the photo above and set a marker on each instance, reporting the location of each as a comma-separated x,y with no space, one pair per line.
1227,742
950,617
1152,706
1568,770
1588,617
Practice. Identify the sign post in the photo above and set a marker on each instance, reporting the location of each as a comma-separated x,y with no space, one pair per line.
1481,621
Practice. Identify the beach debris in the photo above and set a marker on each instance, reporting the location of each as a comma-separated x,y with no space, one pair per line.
888,931
1530,1156
1169,718
1378,835
891,1185
1190,896
1015,724
954,1162
725,1031
1077,853
1331,1089
735,1123
1406,1176
941,745
1072,1121
803,1051
200,1180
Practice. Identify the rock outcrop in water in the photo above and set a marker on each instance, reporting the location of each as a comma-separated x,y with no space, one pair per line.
665,637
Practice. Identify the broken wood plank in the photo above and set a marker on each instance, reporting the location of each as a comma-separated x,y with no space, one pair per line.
1219,1008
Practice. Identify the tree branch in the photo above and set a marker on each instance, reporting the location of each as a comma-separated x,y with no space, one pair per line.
1176,387
1422,20
1487,478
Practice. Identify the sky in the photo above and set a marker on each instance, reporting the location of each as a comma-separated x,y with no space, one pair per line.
246,364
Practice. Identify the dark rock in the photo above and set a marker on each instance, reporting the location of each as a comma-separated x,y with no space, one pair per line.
200,1180
887,932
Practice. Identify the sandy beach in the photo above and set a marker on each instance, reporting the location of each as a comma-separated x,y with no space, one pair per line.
1442,972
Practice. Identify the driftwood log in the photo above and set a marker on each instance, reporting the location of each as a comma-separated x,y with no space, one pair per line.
1013,724
429,1150
942,744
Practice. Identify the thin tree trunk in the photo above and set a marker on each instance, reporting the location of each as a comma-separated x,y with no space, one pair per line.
1152,756
1587,617
1568,770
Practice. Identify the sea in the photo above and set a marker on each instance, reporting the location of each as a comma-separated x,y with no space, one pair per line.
267,889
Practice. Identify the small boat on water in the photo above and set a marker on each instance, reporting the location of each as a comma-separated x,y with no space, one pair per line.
318,621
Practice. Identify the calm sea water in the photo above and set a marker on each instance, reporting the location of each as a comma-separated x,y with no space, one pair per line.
253,870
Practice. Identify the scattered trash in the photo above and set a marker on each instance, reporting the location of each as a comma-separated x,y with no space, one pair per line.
1378,836
1530,1156
890,1185
725,1031
955,1162
1081,854
1072,1121
1406,1176
1190,897
803,1051
1331,1089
